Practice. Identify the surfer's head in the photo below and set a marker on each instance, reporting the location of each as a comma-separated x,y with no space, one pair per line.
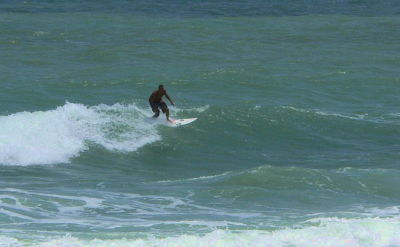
160,87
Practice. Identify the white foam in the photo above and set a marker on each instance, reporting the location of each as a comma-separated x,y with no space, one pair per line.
327,232
9,242
56,136
199,109
192,179
385,118
323,113
383,212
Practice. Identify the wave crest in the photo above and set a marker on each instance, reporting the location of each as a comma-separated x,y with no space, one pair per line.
56,136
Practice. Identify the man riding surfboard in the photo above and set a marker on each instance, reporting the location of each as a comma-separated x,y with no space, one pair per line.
157,103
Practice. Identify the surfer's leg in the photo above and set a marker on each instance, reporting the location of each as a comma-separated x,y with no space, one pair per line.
165,110
164,107
156,114
154,108
167,115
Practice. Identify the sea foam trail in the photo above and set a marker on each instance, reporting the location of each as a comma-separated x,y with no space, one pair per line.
327,232
56,136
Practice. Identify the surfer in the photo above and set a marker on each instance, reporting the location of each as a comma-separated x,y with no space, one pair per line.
157,103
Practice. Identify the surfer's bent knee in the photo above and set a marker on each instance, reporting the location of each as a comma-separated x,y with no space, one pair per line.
164,108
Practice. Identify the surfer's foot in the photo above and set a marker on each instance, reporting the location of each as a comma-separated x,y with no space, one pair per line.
171,121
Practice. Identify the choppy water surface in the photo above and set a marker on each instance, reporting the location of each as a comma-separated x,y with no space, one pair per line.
296,143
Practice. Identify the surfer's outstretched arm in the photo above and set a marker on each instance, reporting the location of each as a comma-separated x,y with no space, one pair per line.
172,103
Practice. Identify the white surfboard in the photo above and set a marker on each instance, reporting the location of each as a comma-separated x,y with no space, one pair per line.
179,122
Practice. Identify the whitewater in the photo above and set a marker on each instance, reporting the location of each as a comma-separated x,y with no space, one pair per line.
56,136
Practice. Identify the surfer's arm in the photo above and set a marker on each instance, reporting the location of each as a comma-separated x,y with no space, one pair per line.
166,95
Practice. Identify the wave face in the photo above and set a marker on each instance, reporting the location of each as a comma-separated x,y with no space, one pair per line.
56,136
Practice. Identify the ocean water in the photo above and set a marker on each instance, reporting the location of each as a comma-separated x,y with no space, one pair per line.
296,144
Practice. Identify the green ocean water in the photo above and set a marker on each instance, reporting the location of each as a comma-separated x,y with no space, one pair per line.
296,142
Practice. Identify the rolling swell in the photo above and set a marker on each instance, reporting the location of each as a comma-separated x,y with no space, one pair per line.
290,135
306,137
378,182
